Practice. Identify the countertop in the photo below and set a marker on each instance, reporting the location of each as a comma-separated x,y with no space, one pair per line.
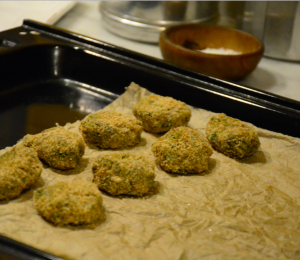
278,77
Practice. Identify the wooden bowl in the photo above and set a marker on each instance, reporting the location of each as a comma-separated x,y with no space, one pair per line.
184,45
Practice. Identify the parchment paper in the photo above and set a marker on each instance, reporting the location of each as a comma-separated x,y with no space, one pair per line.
238,209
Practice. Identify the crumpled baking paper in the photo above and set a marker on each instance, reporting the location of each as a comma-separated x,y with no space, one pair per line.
238,209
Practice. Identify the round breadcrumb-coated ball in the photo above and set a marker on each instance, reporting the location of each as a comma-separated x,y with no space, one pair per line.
111,130
20,168
160,114
182,150
70,203
58,147
124,173
231,136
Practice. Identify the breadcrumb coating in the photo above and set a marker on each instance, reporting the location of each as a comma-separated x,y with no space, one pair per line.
124,173
160,114
231,136
20,168
111,130
69,203
59,148
182,150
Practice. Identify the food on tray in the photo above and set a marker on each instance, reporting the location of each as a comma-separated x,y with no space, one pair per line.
110,129
215,208
231,136
58,147
124,173
160,114
20,168
70,203
182,150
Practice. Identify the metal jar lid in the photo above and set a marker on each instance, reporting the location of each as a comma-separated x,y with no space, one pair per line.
144,20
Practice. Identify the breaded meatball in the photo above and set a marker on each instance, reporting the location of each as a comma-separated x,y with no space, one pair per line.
20,168
160,114
124,173
231,136
70,203
111,129
58,147
182,150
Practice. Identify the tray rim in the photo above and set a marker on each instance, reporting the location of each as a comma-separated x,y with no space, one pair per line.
148,61
25,250
68,38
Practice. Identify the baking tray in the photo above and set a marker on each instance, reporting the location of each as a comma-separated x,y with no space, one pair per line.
50,76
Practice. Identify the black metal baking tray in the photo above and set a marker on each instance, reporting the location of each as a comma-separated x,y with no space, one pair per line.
13,250
49,76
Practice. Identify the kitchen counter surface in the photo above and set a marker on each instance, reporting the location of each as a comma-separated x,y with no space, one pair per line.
278,77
